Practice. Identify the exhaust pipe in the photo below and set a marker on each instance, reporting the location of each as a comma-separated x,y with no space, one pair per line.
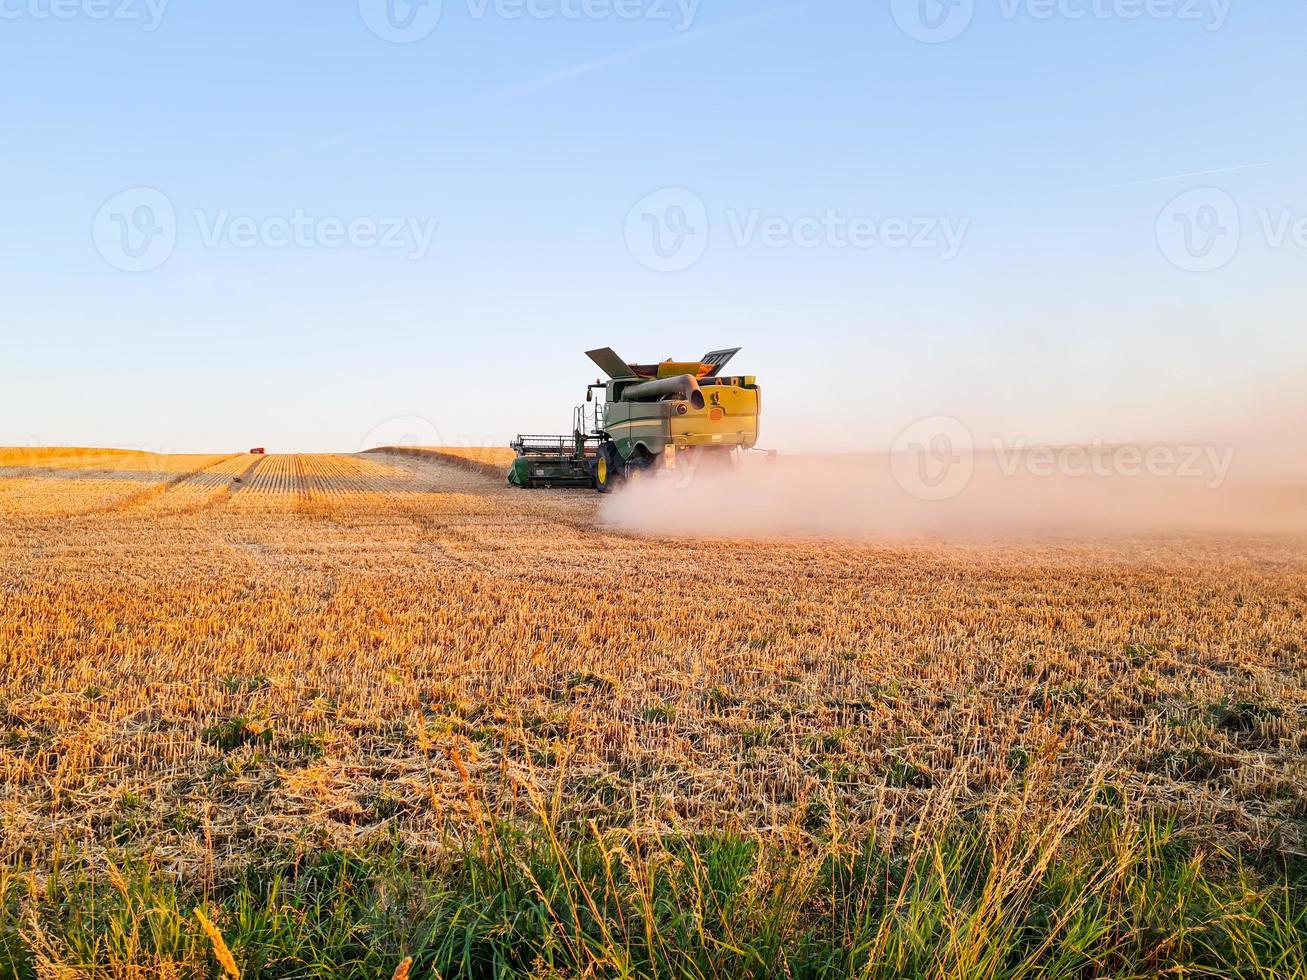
683,387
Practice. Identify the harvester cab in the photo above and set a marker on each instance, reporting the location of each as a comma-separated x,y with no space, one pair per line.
651,417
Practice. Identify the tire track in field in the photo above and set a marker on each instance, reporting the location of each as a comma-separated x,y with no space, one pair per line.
151,493
202,491
237,484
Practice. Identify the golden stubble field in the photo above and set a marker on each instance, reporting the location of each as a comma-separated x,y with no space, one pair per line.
205,657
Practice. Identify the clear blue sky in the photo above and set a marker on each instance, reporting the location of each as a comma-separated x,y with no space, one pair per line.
1050,137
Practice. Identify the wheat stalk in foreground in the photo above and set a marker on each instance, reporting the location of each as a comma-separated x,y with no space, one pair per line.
220,951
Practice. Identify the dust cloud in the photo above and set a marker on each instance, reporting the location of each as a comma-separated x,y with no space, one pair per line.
1030,491
1232,461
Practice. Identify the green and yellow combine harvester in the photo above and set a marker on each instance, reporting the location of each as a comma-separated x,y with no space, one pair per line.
650,418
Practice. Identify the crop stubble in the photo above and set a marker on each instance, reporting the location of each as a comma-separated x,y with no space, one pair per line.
213,655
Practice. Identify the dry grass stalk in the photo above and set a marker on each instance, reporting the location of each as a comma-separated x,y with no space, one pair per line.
220,951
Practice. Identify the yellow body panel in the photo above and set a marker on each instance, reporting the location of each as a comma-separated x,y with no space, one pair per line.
729,417
672,369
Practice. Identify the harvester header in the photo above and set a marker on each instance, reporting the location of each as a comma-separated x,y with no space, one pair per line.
649,417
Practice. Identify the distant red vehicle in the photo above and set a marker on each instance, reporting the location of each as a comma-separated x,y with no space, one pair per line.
258,452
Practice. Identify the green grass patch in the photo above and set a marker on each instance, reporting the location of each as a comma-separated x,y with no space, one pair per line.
232,733
1105,898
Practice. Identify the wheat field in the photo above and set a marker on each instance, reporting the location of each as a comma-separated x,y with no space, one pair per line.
209,660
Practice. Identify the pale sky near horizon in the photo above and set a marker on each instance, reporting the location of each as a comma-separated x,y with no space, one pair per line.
240,224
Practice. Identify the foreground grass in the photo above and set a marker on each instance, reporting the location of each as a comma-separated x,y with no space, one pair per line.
1074,894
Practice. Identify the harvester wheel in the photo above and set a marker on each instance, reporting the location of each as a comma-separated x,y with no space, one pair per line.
641,461
609,468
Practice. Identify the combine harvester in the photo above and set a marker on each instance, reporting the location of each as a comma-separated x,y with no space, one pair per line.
651,418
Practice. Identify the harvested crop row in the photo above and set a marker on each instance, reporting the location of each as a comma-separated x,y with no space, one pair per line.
277,485
336,474
313,482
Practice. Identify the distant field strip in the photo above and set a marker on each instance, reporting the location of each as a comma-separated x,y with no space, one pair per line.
77,482
80,482
492,460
